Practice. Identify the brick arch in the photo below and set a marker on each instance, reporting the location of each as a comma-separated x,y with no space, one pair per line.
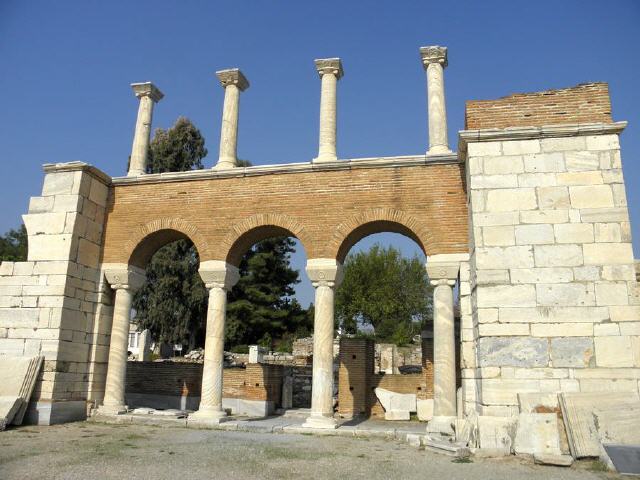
251,230
378,220
147,239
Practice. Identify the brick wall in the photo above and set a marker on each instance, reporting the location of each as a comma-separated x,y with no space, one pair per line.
328,211
255,382
586,103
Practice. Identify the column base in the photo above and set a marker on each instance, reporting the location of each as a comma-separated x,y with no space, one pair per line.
439,150
112,409
320,422
324,159
225,165
209,416
444,425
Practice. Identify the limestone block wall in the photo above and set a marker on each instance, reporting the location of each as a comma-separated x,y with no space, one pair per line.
55,304
553,288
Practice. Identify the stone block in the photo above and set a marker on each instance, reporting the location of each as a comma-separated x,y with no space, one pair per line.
492,277
589,273
99,192
603,142
506,296
511,199
544,162
531,402
579,178
480,182
558,255
605,215
498,236
573,233
572,352
425,409
520,147
58,183
67,203
537,433
44,223
534,234
491,219
397,406
612,294
613,176
504,392
592,196
554,460
614,352
494,258
565,294
484,149
630,328
619,195
537,180
513,352
541,275
562,329
544,216
503,329
560,144
553,197
582,161
503,165
554,315
41,204
50,247
625,313
608,253
606,329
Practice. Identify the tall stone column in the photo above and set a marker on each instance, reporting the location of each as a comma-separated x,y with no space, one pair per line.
125,280
330,71
148,94
233,82
219,277
325,275
443,277
434,60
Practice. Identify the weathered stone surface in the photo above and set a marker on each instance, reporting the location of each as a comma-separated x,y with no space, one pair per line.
573,233
498,236
565,294
541,275
506,296
529,402
397,406
558,255
534,234
425,409
496,433
608,253
612,294
555,460
537,433
592,196
513,352
614,352
553,197
554,314
504,200
562,329
504,257
572,352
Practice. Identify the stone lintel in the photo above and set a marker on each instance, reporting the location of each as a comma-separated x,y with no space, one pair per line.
77,167
147,89
434,54
121,275
233,76
534,133
218,273
325,270
445,267
329,65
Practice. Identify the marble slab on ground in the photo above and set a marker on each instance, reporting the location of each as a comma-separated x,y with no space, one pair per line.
618,426
17,380
577,411
496,433
397,406
537,433
9,406
425,409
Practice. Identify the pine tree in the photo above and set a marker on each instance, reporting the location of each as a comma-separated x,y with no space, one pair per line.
173,302
386,291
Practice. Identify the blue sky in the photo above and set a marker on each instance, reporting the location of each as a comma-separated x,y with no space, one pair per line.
65,70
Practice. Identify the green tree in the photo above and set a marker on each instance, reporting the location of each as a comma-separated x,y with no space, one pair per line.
261,308
386,291
172,304
13,245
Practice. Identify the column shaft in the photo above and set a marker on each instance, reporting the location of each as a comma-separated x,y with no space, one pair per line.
444,354
211,396
140,149
438,142
229,129
328,120
117,368
322,385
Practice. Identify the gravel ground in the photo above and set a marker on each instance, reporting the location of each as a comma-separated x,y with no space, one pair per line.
100,451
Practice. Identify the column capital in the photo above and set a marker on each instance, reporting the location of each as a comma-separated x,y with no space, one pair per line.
443,269
147,89
324,272
434,54
123,276
218,274
329,65
233,76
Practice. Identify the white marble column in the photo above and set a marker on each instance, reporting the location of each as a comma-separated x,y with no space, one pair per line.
325,275
434,60
125,280
443,276
148,94
219,277
233,82
330,71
